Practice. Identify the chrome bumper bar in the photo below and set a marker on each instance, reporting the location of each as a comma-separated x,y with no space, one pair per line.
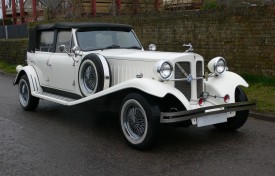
173,117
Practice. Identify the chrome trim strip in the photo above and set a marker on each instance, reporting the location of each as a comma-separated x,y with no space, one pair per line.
185,79
32,82
172,117
106,71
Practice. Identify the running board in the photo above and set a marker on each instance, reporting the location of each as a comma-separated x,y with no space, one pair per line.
53,97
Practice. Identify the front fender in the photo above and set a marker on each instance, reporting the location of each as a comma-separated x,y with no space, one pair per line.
224,84
149,86
32,76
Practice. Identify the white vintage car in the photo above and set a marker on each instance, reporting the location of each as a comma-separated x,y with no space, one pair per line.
106,65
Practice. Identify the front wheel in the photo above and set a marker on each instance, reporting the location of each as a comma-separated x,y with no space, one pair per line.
27,101
139,121
236,122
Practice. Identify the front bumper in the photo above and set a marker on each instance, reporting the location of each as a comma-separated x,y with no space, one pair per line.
173,117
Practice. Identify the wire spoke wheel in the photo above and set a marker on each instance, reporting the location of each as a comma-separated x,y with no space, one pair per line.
94,74
24,93
27,101
139,121
88,78
134,121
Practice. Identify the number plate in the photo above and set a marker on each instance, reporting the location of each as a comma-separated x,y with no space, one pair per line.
211,119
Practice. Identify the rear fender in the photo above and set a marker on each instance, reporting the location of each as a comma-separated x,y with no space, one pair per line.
32,76
223,84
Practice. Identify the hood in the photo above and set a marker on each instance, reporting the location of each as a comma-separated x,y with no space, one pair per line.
141,55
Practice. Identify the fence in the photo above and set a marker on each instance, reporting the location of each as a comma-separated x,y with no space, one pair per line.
14,31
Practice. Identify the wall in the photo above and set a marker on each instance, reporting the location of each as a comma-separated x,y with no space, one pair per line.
244,36
13,51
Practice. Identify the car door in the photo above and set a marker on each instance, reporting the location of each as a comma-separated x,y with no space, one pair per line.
42,55
62,64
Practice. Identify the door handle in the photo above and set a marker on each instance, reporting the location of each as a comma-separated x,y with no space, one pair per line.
48,63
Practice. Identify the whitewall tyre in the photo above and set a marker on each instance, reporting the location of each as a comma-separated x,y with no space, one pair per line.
27,101
94,75
139,120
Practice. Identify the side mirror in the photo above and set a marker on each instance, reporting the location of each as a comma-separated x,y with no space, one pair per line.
62,48
77,51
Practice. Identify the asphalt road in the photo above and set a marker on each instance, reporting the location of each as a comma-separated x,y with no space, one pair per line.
59,140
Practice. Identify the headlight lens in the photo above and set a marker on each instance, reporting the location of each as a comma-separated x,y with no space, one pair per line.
165,70
220,66
217,65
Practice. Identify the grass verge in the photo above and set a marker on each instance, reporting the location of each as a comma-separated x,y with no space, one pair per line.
261,88
7,68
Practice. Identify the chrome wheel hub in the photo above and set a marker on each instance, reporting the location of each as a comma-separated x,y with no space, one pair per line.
24,93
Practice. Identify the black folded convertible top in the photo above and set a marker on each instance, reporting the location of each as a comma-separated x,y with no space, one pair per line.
69,25
34,32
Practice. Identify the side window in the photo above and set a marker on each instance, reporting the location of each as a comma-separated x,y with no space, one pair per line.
46,41
64,38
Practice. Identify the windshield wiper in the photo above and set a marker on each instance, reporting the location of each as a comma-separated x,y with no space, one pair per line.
112,46
134,47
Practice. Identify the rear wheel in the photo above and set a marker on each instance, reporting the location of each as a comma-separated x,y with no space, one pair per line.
27,101
139,121
240,118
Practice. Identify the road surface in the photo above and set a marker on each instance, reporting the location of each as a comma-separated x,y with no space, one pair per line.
59,140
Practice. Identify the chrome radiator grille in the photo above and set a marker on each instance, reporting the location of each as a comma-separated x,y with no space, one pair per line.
184,86
200,81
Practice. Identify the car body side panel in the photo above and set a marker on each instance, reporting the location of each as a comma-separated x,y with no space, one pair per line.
61,72
223,84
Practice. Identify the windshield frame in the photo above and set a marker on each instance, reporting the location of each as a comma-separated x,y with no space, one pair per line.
139,47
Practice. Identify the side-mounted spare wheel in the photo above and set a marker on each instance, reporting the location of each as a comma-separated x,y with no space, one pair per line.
240,118
139,120
27,101
94,74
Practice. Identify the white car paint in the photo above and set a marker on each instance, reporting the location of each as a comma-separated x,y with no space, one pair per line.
32,76
130,68
224,84
125,66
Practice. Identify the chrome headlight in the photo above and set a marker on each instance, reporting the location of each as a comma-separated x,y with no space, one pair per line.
164,69
217,65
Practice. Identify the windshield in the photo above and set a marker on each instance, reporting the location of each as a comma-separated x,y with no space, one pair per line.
101,39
